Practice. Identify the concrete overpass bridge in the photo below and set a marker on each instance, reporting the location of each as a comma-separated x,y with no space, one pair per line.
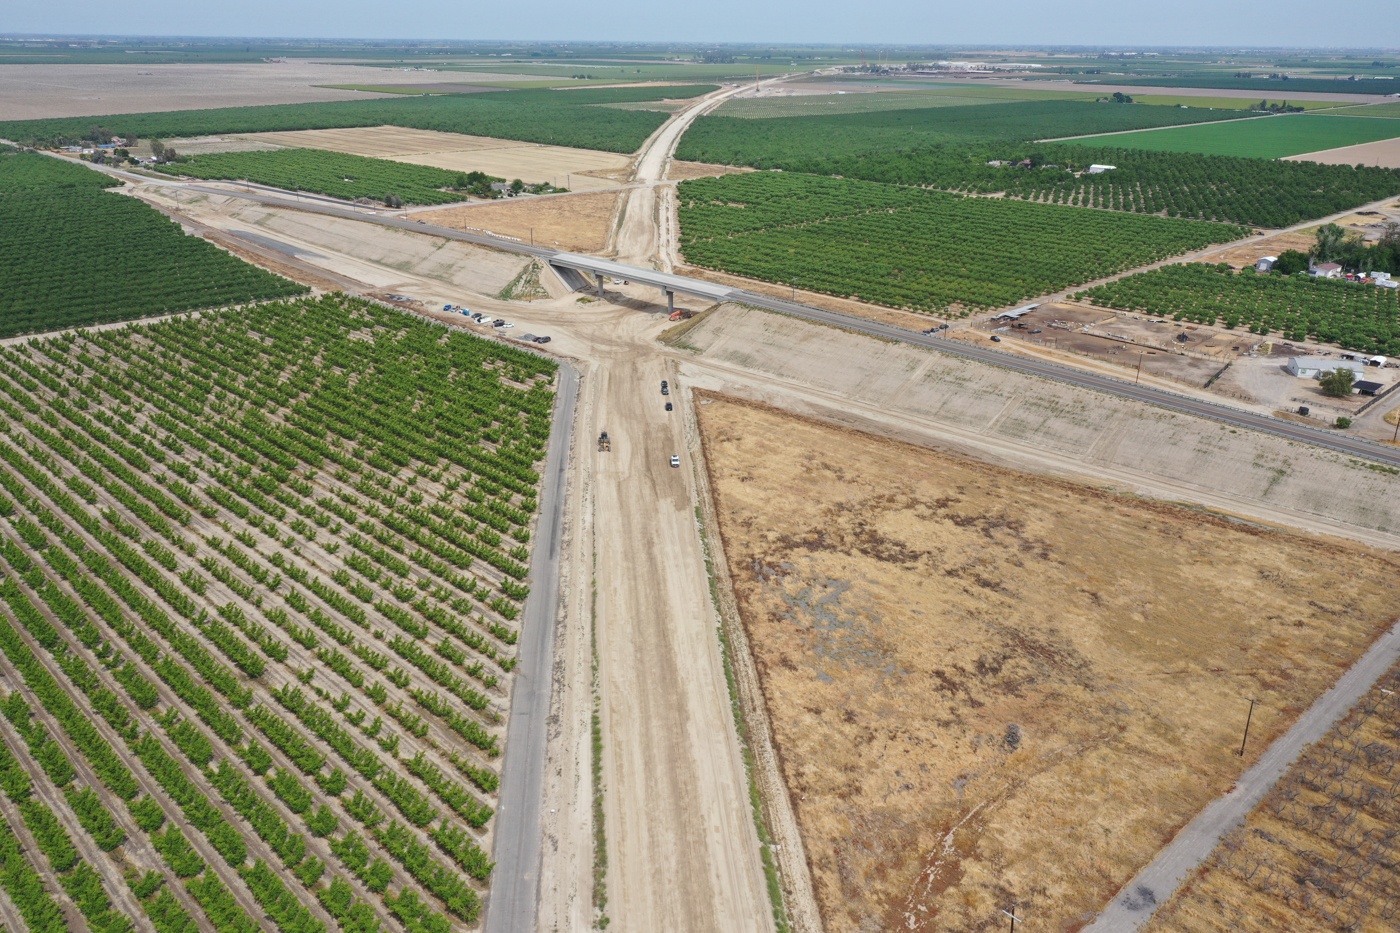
573,267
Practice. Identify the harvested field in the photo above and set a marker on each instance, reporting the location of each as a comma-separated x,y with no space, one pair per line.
578,222
34,92
991,688
676,170
1317,853
1385,153
504,158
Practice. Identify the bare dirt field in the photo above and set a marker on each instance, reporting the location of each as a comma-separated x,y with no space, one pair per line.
32,92
1317,853
504,158
577,222
990,688
677,170
1250,253
1384,153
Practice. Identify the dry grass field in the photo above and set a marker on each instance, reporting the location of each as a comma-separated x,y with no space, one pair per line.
677,170
991,688
504,158
1319,852
578,222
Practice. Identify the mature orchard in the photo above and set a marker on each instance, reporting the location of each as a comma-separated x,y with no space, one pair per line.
75,254
911,248
1361,317
334,173
277,553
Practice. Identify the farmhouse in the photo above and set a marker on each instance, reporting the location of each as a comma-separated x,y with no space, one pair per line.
1309,368
1326,270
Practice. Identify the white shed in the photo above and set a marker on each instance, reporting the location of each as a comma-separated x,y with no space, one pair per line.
1265,263
1313,368
1097,169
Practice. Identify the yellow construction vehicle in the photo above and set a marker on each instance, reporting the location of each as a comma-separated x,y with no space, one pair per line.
604,444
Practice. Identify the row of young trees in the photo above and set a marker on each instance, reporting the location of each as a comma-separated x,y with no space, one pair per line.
136,459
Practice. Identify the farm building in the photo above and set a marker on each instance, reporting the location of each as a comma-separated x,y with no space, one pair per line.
1326,270
1097,169
1265,263
1368,388
1308,368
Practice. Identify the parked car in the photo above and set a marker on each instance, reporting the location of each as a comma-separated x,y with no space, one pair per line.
542,339
996,339
668,406
675,461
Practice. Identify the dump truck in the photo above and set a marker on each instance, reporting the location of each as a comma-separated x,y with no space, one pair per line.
604,444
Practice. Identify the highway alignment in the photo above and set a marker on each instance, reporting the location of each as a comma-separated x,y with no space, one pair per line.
510,907
1301,433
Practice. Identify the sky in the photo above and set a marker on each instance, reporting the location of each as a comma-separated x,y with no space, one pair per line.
1279,23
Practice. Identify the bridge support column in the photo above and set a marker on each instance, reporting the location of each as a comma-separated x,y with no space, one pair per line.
598,276
670,301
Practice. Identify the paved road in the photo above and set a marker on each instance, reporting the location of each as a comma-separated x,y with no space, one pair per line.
510,906
1141,897
1305,434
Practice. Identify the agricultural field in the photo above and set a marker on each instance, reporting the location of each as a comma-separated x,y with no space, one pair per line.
1264,192
278,552
989,688
578,223
1318,852
911,248
338,175
66,265
1265,87
774,142
877,101
533,163
1391,110
1262,138
561,118
1351,315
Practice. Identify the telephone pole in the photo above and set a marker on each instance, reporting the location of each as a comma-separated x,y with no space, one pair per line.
1247,721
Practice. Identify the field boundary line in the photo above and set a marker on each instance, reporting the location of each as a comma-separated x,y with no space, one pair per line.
798,896
1152,887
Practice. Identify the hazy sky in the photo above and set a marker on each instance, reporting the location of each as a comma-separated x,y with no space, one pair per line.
1366,24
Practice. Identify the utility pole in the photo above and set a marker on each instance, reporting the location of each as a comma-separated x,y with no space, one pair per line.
1139,373
532,236
1396,438
1012,914
1247,721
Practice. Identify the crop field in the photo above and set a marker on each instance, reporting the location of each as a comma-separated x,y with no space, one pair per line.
812,105
989,688
910,248
1273,89
1391,110
332,173
1263,138
455,152
278,552
1265,192
63,269
1318,852
1355,316
561,118
770,143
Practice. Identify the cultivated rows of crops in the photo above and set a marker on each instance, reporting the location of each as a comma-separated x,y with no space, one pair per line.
77,255
911,248
1360,317
560,118
334,173
779,141
1265,192
259,577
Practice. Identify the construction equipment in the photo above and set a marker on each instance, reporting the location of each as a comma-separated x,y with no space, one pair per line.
682,314
604,445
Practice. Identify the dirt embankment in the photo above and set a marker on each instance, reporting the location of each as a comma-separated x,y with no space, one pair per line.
1036,421
988,688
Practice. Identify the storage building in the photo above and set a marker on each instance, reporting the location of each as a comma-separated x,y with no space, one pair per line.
1314,368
